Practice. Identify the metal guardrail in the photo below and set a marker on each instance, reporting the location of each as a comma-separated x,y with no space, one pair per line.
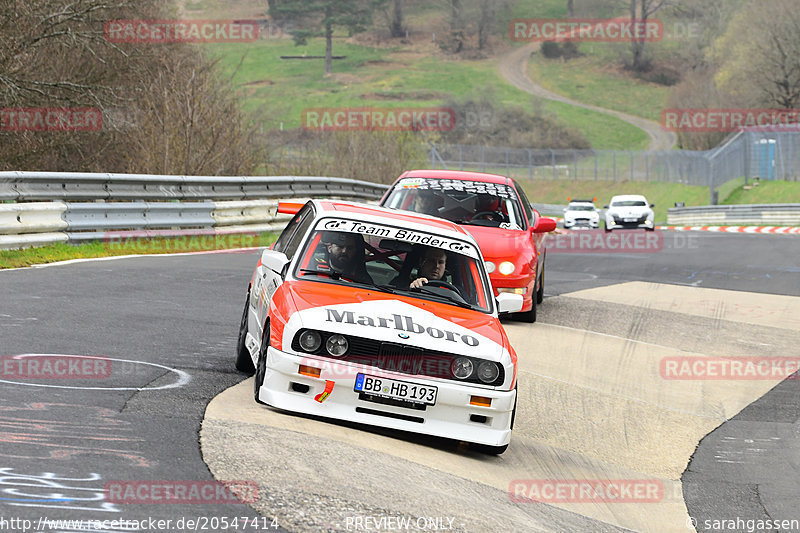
188,204
74,186
736,215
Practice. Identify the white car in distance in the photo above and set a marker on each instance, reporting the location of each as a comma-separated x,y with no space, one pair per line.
629,211
581,214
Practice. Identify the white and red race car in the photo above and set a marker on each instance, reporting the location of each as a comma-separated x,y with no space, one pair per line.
335,325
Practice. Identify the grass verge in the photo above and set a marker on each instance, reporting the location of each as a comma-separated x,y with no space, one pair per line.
766,192
63,252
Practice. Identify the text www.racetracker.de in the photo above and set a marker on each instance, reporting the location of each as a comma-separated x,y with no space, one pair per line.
197,523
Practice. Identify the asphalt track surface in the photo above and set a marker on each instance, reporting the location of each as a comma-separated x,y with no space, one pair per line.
593,409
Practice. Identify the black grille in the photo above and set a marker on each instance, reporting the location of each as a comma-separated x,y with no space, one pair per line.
396,357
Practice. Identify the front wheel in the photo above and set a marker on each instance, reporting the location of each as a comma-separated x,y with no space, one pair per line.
261,367
540,290
244,363
528,316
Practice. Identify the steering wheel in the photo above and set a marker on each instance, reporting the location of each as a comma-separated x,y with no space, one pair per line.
443,284
489,215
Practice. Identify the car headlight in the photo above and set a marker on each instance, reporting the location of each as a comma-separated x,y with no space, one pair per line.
336,345
488,371
462,368
506,268
489,266
310,340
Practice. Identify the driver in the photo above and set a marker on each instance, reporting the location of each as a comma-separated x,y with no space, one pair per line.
487,205
431,267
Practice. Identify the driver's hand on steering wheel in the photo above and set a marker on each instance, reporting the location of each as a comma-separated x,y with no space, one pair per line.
418,283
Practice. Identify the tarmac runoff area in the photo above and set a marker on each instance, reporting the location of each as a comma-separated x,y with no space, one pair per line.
596,402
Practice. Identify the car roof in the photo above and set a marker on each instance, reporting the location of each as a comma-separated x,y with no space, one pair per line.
580,202
457,175
623,197
374,213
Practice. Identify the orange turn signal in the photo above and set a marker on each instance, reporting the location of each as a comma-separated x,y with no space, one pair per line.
480,401
310,371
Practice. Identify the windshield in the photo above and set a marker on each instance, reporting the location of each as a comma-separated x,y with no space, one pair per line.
629,203
580,208
390,259
463,202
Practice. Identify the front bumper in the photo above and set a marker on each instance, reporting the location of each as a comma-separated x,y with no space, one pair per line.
449,418
618,223
581,224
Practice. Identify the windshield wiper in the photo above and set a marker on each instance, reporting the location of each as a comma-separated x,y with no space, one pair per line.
455,301
336,275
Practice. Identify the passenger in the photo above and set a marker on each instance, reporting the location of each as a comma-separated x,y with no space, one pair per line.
346,255
428,202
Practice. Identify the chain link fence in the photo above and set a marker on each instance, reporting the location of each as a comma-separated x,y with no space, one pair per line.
767,155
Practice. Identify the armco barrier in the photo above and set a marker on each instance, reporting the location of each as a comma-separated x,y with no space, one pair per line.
137,215
135,205
74,186
735,215
246,213
37,217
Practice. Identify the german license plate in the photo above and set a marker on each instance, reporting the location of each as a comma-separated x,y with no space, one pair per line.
395,389
631,219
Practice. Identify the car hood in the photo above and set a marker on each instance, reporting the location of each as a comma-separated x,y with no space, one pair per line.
629,211
393,318
581,214
499,243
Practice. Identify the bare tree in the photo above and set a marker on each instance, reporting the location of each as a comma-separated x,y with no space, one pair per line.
641,10
165,107
397,26
762,46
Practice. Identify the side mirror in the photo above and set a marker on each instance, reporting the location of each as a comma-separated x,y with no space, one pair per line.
652,205
544,225
509,303
605,207
275,261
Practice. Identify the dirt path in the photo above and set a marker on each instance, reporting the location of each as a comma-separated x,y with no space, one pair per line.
513,67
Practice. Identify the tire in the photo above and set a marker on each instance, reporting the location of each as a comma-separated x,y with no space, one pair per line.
496,450
244,363
261,367
488,450
540,290
528,316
